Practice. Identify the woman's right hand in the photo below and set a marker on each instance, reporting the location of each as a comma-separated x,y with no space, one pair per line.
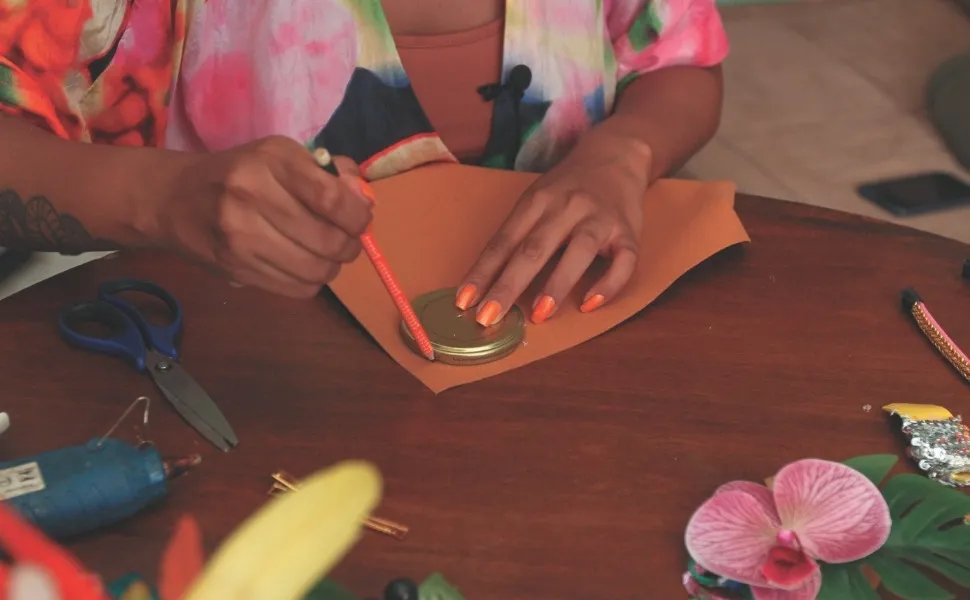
266,215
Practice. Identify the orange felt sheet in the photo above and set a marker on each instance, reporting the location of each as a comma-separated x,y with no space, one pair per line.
433,222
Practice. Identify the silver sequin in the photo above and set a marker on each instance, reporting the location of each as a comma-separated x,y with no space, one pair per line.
940,448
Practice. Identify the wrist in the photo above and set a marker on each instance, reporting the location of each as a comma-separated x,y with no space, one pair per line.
618,142
151,188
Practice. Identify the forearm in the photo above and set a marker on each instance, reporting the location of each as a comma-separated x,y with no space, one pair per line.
675,111
67,197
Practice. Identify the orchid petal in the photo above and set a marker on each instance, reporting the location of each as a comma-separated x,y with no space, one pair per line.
838,514
809,591
731,535
759,492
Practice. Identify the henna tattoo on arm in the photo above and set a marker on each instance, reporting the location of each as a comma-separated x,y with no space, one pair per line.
35,224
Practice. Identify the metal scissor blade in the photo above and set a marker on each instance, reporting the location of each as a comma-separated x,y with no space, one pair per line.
191,400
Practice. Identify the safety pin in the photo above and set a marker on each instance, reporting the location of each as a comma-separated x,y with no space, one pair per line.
143,430
284,482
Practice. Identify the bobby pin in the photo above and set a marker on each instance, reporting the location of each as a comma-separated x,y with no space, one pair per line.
914,305
284,482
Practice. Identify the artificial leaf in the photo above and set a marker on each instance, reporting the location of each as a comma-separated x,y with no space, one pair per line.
328,590
905,581
874,466
928,531
844,581
955,572
182,561
903,492
435,587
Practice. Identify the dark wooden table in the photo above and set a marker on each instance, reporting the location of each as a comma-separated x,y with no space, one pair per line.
571,478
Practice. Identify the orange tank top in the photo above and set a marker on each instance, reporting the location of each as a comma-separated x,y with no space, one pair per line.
446,71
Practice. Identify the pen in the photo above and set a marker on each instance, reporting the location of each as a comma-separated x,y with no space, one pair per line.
914,305
325,161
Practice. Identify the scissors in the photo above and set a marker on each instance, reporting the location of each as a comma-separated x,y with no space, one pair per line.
148,347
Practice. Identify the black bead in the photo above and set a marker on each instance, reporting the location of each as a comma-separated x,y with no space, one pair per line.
401,589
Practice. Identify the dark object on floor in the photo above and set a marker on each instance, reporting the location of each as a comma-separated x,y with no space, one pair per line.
401,589
11,261
948,105
917,194
966,269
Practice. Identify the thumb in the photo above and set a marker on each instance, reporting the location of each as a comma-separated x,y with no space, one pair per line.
346,166
352,178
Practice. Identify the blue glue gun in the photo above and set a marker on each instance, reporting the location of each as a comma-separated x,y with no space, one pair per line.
75,490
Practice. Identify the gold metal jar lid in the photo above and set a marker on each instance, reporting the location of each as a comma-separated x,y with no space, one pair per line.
457,339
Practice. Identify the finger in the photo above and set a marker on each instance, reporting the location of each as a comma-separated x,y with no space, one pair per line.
587,239
278,254
347,166
500,247
326,196
622,265
528,259
282,286
292,220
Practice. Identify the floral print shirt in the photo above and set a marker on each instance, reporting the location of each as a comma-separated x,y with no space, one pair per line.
206,75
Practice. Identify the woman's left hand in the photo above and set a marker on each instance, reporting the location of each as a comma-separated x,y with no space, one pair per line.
591,202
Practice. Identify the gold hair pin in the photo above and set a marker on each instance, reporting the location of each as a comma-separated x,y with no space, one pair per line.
284,482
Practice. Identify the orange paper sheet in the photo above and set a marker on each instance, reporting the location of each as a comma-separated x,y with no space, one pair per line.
433,222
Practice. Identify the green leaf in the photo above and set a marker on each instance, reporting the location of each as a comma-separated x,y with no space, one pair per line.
928,532
874,466
436,588
328,590
904,491
953,571
840,582
905,581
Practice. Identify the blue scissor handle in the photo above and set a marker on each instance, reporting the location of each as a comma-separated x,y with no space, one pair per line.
163,338
124,339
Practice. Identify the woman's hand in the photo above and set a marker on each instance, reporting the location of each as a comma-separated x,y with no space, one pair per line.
266,215
591,202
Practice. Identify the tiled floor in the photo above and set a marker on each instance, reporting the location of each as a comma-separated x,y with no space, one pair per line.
822,95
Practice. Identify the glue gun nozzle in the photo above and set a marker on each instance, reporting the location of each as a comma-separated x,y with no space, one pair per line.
175,467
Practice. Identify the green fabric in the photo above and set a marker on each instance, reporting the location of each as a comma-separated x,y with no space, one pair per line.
948,105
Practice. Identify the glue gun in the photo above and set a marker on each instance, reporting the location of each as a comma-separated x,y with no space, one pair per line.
79,489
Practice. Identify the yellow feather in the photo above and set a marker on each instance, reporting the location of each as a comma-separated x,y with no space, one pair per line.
295,539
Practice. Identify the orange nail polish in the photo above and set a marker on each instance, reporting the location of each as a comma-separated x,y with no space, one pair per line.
465,296
489,313
366,190
543,309
592,303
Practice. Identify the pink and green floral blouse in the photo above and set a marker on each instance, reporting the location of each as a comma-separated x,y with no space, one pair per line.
211,74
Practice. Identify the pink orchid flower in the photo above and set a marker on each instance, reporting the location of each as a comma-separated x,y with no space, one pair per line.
816,510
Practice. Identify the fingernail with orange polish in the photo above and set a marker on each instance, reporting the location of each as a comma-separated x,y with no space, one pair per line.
465,296
366,190
592,303
489,313
542,309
